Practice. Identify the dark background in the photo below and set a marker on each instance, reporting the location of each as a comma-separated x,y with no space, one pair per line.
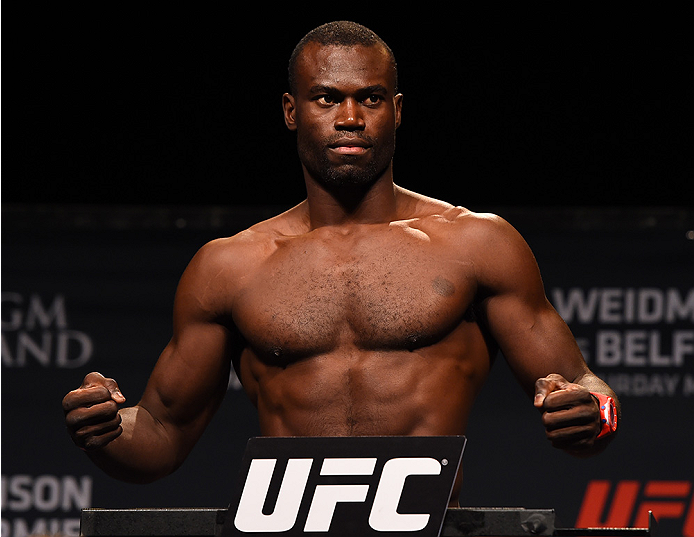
574,109
531,106
116,269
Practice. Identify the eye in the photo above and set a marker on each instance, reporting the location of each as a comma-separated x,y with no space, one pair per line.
373,100
325,100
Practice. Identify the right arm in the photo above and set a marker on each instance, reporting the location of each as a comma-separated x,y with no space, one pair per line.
151,439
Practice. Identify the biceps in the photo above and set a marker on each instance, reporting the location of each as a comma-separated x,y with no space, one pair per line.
190,378
534,339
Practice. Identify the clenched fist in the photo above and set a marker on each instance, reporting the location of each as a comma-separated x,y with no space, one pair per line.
570,413
91,412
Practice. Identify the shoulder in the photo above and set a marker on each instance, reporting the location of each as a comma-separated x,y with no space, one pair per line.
461,224
239,253
229,254
502,258
428,210
485,227
490,235
219,267
476,232
498,254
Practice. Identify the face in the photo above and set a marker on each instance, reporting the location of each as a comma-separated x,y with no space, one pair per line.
345,112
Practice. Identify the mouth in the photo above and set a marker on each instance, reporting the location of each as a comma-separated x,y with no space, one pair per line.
350,146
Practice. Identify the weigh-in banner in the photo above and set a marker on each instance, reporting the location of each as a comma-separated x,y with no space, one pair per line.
87,289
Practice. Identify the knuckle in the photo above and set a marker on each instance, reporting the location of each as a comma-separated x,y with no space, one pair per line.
71,420
75,417
102,412
91,443
81,435
110,408
110,383
67,402
92,378
91,438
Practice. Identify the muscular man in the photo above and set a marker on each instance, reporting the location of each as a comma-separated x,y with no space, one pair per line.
367,309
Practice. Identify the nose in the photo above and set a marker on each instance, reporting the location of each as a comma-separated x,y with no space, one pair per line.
349,117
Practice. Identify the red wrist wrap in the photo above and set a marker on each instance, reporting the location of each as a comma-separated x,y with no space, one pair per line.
608,414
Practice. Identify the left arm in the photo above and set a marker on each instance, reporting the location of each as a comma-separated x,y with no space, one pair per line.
536,342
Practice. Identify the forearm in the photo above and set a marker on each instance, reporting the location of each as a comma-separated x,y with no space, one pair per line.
144,452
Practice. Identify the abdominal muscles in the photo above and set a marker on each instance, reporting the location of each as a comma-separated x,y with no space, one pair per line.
368,393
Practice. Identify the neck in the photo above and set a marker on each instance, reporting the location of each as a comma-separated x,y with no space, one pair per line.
363,204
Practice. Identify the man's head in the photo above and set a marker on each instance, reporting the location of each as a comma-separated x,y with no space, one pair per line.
344,105
340,34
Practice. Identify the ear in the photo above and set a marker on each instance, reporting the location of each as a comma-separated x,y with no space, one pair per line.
289,111
398,109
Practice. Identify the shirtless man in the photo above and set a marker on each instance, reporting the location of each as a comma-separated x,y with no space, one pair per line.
367,309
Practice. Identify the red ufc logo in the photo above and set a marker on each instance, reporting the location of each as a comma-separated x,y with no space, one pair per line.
631,503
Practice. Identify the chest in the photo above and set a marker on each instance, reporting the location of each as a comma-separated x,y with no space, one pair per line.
389,289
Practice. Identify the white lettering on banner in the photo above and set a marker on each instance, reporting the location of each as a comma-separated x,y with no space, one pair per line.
384,516
623,306
643,385
21,527
645,328
639,348
36,313
47,494
34,330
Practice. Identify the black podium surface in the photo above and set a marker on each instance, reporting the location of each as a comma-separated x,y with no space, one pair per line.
468,522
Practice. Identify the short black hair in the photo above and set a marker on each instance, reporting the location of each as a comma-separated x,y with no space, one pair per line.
341,34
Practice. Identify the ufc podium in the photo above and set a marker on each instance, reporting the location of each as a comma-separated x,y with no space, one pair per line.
341,487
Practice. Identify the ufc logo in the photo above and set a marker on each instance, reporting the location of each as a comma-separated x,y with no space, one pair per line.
383,515
631,502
